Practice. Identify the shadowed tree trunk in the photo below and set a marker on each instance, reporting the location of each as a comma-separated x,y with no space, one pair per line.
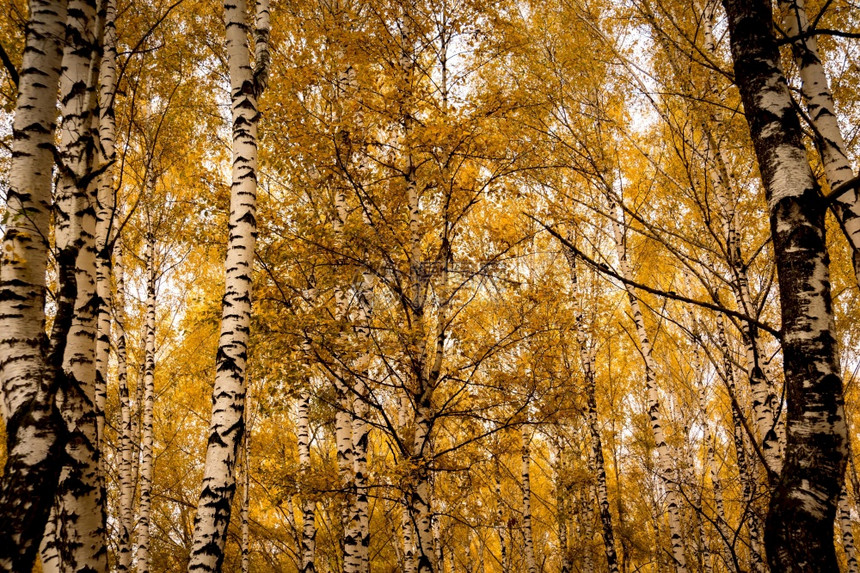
80,534
33,428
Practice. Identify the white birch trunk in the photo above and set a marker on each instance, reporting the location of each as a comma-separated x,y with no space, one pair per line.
309,531
104,213
228,395
246,504
127,449
500,525
360,432
745,473
528,534
847,531
822,112
27,377
146,434
419,493
664,461
81,526
407,531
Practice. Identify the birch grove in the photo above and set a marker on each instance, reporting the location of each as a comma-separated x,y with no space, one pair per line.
518,286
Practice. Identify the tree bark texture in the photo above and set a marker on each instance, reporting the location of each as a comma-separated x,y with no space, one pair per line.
34,433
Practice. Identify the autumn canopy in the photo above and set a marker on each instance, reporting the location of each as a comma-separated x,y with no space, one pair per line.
429,286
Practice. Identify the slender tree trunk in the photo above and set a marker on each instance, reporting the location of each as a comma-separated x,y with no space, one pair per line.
246,503
419,493
745,472
528,535
106,154
664,462
309,531
799,534
345,415
28,379
500,519
126,477
359,449
146,441
228,395
847,531
711,466
563,507
583,512
822,113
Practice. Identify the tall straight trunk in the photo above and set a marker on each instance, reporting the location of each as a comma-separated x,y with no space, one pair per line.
146,434
584,531
360,433
34,433
246,504
106,153
595,458
724,533
419,493
822,113
664,459
345,415
309,531
228,395
127,449
705,555
847,531
361,518
528,533
562,507
80,501
500,525
799,533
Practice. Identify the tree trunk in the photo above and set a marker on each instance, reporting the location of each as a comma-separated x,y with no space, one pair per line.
528,534
419,493
799,533
228,395
745,472
146,434
127,448
847,532
408,533
106,154
34,434
81,512
822,113
309,531
246,503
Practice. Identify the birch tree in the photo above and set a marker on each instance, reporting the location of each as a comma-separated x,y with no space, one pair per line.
28,368
80,505
228,396
803,505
